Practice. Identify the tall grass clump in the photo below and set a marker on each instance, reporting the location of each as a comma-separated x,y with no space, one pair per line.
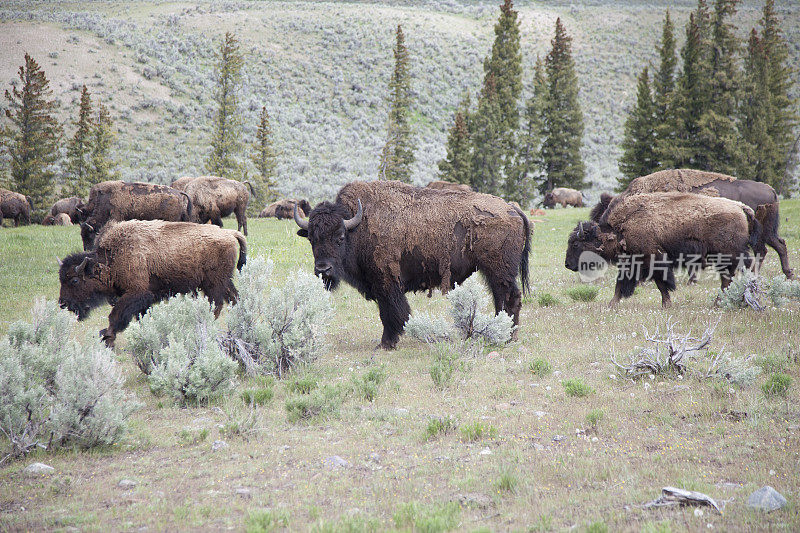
273,330
56,391
777,385
576,387
429,518
176,344
583,293
468,321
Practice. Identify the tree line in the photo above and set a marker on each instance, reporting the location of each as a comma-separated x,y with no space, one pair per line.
728,109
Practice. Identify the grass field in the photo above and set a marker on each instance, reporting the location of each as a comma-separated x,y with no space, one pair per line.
621,443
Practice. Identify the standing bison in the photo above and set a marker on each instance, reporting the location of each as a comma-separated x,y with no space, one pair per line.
214,198
72,206
648,235
760,197
117,200
15,206
137,263
563,196
387,238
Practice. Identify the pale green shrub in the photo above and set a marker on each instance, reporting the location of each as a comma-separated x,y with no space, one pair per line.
427,328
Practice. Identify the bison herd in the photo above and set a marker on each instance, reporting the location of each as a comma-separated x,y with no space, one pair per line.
144,242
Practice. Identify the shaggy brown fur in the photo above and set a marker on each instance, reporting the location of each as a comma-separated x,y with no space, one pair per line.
214,198
15,206
667,228
72,206
117,200
137,263
62,219
418,238
564,196
449,185
285,209
750,193
598,210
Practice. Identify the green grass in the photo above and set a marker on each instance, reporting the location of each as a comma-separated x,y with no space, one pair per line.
439,426
777,384
547,299
478,431
583,293
540,367
257,396
576,387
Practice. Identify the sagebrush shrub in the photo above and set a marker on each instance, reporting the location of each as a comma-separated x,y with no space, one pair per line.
56,391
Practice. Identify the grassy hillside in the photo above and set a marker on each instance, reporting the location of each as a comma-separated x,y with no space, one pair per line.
553,461
321,69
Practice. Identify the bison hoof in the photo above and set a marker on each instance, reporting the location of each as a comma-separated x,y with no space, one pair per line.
385,345
107,338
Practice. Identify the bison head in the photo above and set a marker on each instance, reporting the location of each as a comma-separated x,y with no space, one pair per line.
590,237
88,235
81,288
549,200
327,228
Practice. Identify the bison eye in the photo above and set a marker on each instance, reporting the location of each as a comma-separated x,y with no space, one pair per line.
75,281
340,240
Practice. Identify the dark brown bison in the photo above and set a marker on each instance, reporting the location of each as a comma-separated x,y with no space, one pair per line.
72,206
214,198
449,185
563,196
15,206
285,209
648,235
137,263
760,197
387,238
117,200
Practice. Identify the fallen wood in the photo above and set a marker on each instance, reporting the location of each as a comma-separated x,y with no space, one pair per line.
671,496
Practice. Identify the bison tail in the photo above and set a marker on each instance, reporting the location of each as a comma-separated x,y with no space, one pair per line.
526,250
250,185
188,213
755,229
30,202
242,251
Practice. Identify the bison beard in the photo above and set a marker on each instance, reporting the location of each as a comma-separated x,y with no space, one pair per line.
417,239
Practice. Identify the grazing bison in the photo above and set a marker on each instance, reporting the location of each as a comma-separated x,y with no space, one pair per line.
61,219
214,197
72,206
15,206
648,235
449,185
137,263
117,200
285,209
387,238
563,196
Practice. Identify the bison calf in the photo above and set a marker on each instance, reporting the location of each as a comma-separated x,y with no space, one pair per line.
137,263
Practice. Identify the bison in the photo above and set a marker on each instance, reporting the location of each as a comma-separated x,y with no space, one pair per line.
15,206
648,235
137,263
449,185
760,197
216,197
117,200
387,238
61,219
285,209
72,206
563,196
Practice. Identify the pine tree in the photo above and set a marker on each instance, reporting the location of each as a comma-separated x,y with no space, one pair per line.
561,150
264,158
456,167
397,156
784,109
638,146
718,137
528,165
757,146
487,141
664,92
32,140
505,66
102,164
79,148
226,145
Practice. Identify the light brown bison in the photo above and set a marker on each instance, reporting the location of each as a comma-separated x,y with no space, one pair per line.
72,206
387,238
564,196
118,200
61,219
648,235
285,209
760,197
15,206
449,185
214,198
137,263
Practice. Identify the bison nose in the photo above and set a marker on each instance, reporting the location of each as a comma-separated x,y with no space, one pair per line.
323,267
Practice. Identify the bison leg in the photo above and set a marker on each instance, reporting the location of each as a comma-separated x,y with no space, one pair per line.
221,294
508,299
663,287
126,308
779,245
241,221
394,311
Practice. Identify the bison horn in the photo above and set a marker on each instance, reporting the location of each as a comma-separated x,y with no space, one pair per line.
60,262
356,220
300,222
88,226
580,230
80,268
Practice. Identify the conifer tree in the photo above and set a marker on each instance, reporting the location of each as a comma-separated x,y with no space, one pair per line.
757,146
397,156
561,150
264,158
32,139
102,164
226,145
664,91
638,146
487,141
79,148
456,167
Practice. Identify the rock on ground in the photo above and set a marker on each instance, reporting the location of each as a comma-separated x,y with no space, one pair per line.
767,499
38,469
